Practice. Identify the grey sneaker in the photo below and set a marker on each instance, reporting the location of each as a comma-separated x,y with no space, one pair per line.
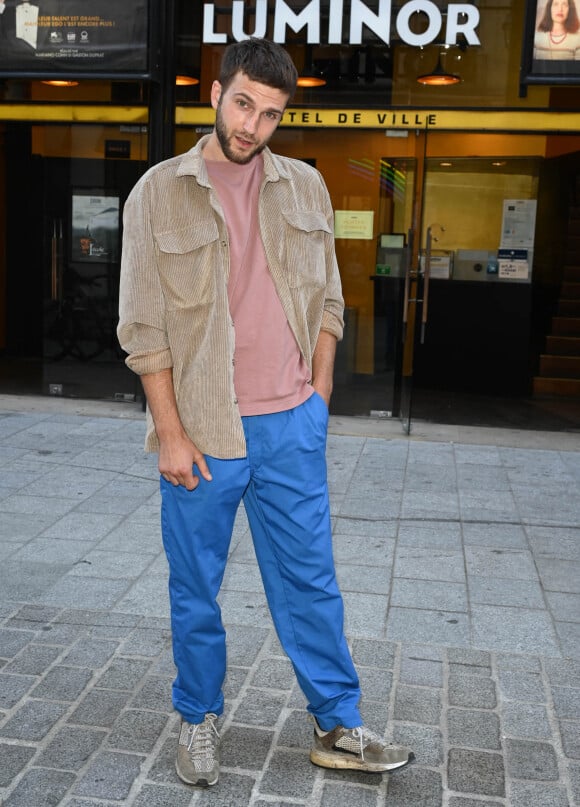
356,749
198,752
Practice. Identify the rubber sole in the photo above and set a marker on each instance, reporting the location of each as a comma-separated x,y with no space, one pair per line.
200,782
329,759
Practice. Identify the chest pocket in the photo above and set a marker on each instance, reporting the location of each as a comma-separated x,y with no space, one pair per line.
188,262
306,232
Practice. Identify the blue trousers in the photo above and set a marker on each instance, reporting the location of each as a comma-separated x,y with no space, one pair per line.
283,484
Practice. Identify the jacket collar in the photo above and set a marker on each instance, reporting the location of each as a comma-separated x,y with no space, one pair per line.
193,164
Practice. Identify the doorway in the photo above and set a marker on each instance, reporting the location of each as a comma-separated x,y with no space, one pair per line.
63,201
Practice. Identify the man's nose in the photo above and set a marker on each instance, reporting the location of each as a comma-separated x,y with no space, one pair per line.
251,122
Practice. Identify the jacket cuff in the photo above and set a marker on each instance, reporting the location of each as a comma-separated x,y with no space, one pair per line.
145,363
332,324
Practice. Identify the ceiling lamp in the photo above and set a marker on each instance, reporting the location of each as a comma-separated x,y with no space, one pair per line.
438,77
186,81
311,78
61,83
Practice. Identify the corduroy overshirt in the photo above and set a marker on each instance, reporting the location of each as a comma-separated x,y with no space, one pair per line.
173,305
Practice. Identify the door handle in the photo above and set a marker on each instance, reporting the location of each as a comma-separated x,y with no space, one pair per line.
427,277
406,298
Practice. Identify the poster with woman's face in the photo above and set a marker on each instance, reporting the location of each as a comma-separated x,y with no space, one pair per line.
553,40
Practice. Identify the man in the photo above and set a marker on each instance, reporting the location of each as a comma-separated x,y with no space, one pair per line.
230,310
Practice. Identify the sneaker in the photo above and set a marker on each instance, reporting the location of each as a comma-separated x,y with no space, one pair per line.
356,749
198,752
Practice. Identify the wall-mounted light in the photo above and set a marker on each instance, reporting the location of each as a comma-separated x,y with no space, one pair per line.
186,81
438,77
60,83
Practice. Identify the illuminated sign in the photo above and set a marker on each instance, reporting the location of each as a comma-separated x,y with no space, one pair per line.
457,19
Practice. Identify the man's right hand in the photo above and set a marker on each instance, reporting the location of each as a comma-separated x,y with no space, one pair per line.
177,458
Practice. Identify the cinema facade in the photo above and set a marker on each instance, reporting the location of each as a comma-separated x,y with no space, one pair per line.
451,154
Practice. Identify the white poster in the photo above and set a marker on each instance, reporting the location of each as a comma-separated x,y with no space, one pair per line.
518,224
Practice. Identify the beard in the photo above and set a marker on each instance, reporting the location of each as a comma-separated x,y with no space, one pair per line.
225,141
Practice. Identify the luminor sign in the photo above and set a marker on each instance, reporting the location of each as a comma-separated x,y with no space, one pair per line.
457,19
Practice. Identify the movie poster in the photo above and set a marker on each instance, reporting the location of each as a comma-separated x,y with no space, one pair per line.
551,52
73,36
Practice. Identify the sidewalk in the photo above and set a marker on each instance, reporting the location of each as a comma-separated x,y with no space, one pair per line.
458,554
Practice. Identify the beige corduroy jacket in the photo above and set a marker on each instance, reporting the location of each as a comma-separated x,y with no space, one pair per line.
173,309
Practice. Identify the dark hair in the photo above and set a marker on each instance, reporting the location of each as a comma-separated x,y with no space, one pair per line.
260,60
571,24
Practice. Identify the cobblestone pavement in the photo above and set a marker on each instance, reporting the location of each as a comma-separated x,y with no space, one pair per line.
458,553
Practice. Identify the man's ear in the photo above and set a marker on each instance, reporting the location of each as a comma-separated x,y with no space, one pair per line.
216,93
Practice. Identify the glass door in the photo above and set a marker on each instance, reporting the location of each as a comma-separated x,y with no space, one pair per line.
63,236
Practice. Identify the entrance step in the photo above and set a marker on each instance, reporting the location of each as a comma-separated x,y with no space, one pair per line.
561,387
572,272
566,326
560,366
570,290
569,307
563,345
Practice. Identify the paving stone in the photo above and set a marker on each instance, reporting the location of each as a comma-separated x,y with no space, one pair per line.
274,673
570,731
155,694
109,776
13,688
58,634
297,730
425,741
289,774
466,659
162,770
145,642
414,786
417,705
525,794
63,683
12,641
99,707
14,759
531,760
521,686
375,683
480,772
234,681
574,773
33,720
244,644
90,653
513,661
136,731
371,653
459,801
420,671
160,796
233,790
245,747
473,729
123,674
259,708
334,793
563,672
566,702
472,691
33,660
71,748
526,720
41,788
37,614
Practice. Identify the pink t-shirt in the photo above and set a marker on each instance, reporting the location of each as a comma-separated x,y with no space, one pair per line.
270,374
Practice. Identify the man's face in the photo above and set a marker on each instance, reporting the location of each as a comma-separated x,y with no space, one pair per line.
247,115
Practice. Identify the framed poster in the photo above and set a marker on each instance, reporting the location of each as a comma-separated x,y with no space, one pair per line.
94,234
551,46
56,37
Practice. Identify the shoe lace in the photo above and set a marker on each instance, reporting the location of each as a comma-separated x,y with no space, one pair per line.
365,737
202,738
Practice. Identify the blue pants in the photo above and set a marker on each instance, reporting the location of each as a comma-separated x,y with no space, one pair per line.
282,482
